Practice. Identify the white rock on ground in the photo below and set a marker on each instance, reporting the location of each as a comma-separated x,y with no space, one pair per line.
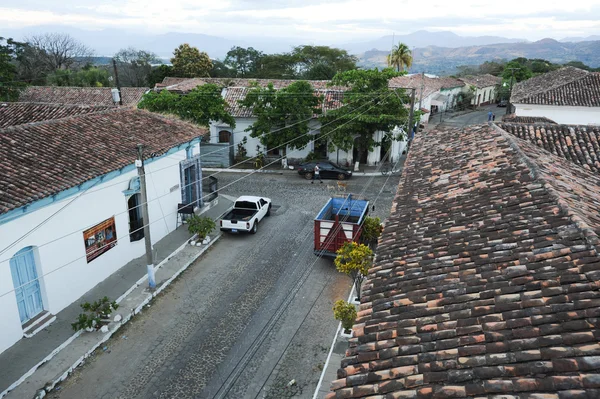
104,329
118,318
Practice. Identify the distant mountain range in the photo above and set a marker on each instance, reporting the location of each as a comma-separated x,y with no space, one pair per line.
434,52
444,60
425,38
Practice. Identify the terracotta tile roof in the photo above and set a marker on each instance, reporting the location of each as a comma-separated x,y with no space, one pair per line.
12,114
486,277
578,144
332,99
41,159
548,81
526,119
581,92
192,83
169,81
430,85
482,81
80,95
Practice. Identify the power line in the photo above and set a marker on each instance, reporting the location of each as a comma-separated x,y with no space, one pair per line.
157,198
148,224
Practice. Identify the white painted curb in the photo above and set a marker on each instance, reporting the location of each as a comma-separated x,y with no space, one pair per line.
335,337
51,384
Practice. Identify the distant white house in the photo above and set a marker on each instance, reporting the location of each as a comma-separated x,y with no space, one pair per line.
83,167
485,88
236,89
567,96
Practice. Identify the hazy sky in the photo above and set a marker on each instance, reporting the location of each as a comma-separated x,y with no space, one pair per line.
334,21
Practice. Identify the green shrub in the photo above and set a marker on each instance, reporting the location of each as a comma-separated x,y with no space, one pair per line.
371,229
94,313
346,313
200,225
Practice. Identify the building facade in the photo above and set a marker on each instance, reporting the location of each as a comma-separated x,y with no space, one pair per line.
76,218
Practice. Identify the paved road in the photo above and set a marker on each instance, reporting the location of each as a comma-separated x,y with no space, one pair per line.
472,118
250,316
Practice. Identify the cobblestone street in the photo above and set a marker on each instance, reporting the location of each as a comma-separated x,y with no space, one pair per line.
251,315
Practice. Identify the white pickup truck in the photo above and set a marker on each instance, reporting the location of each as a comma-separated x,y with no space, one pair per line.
247,212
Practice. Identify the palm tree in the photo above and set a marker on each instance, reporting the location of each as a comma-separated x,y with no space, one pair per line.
401,57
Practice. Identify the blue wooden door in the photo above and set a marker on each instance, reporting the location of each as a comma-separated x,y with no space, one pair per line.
27,285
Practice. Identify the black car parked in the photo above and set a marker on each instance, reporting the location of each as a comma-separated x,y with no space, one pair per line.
327,170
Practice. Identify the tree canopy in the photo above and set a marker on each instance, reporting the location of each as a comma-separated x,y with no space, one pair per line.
189,62
321,62
135,66
287,110
59,51
86,77
243,62
9,86
368,106
201,105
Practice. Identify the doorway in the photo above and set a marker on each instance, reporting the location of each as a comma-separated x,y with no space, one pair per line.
27,285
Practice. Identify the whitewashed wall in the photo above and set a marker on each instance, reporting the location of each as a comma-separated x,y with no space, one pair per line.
561,114
64,272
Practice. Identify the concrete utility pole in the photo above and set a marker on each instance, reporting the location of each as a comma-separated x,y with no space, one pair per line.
117,82
139,163
411,115
512,76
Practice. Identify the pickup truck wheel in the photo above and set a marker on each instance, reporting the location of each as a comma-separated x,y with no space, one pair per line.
269,210
308,176
254,228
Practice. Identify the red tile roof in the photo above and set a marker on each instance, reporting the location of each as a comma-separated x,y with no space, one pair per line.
512,118
192,83
42,159
430,85
80,95
578,144
332,99
486,277
582,92
545,82
482,81
12,114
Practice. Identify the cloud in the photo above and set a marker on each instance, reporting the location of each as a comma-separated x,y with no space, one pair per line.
312,20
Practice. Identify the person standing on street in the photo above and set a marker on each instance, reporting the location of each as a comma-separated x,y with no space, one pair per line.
493,117
490,116
316,174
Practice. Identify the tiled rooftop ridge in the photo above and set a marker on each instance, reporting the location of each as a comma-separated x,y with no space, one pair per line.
485,281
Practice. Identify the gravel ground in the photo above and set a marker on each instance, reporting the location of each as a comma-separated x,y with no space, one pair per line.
246,319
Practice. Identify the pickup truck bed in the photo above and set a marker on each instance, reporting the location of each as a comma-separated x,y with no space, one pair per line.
246,214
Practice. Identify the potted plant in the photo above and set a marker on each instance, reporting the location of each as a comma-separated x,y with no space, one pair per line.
200,226
94,314
346,313
354,260
371,230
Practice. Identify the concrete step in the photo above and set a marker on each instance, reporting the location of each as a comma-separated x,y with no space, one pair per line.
38,323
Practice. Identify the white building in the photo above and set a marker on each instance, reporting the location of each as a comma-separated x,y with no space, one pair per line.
69,205
486,88
223,133
567,96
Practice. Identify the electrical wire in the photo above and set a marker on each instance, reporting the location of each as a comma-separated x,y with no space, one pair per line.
149,223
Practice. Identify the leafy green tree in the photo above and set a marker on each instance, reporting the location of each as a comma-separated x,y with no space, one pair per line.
321,62
158,74
276,66
288,110
400,57
578,64
521,71
368,106
243,61
9,84
492,67
135,66
220,70
87,77
201,105
354,260
189,62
